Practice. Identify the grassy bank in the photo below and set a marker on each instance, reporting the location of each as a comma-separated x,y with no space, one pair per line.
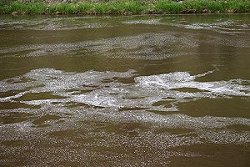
128,7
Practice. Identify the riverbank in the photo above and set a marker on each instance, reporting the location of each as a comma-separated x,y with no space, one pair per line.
127,7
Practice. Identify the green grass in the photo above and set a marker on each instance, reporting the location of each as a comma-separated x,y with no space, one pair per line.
164,6
128,7
32,8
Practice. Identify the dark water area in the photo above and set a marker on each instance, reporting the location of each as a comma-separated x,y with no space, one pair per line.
125,91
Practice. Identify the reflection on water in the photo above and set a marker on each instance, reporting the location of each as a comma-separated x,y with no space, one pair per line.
125,91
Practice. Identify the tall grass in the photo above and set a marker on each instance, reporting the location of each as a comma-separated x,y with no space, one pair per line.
21,8
167,6
240,6
128,7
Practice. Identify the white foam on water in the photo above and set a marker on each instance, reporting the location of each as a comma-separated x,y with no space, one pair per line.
179,80
48,24
144,46
224,27
206,129
96,99
144,93
149,46
147,21
80,131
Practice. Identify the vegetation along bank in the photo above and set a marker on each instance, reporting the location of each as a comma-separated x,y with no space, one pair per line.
121,7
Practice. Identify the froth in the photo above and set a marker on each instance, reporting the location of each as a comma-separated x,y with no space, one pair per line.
91,88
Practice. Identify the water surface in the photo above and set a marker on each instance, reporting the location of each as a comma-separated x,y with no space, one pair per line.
125,91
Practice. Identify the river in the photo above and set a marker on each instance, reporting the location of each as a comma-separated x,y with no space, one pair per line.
168,90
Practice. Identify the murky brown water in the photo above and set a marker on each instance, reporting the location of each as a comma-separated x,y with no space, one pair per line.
125,91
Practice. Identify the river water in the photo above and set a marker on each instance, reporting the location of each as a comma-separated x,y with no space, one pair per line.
125,91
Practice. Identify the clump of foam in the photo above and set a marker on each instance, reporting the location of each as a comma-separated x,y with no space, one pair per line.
185,80
91,89
145,21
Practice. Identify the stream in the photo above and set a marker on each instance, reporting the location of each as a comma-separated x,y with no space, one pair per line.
168,90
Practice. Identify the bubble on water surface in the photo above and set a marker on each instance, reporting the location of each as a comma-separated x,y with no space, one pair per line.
144,46
198,129
78,133
185,80
90,118
149,46
144,21
160,92
48,24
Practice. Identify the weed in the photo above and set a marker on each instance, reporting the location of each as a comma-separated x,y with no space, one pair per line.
127,7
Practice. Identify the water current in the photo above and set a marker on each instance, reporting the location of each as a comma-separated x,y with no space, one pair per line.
125,91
